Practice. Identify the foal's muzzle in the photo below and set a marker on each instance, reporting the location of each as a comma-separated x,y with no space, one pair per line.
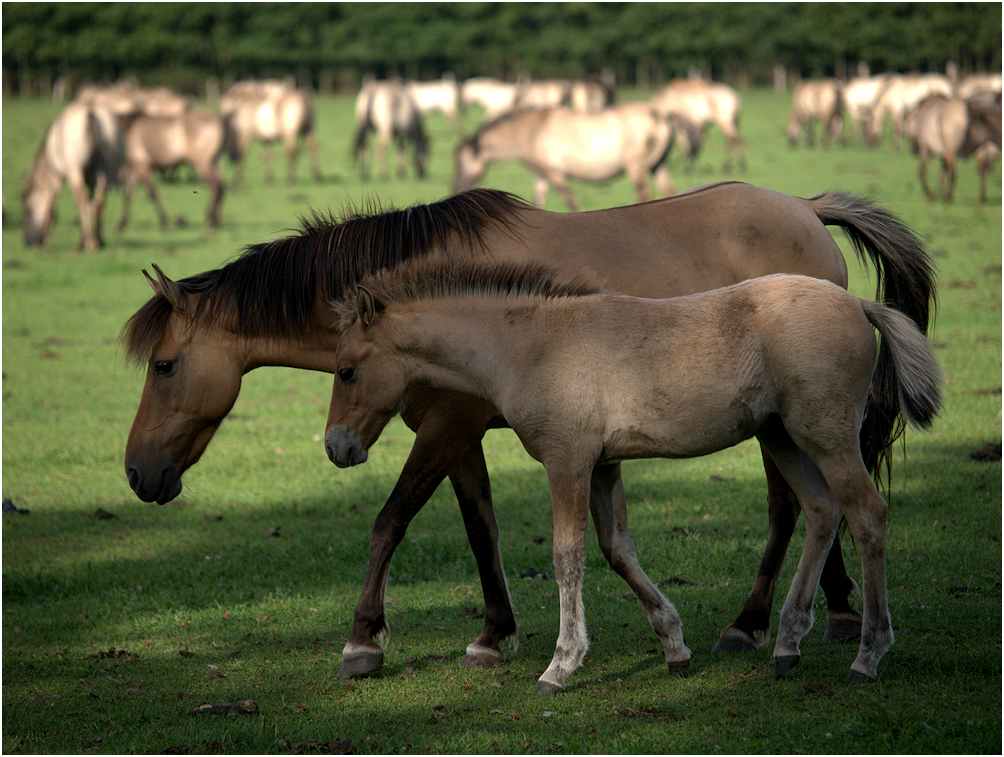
343,447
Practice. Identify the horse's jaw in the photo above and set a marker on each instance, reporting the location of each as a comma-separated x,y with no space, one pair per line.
343,447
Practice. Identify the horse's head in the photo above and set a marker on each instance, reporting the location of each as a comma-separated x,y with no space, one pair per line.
193,378
369,388
39,202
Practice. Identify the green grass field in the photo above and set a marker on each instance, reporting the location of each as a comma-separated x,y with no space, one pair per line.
115,628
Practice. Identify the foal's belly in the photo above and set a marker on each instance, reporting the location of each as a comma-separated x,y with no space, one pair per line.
687,435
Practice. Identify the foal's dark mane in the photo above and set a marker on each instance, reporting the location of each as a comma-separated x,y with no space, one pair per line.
271,289
432,279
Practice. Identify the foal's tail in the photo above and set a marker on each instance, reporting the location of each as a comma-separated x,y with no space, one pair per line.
906,280
915,376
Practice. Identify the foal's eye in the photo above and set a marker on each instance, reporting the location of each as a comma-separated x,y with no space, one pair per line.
347,375
163,367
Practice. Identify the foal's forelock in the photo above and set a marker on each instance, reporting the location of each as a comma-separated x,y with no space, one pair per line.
271,290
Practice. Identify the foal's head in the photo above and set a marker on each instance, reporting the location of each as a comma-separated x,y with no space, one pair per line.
372,380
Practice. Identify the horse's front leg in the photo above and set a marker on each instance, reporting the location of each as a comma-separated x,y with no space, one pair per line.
447,439
569,502
609,509
473,490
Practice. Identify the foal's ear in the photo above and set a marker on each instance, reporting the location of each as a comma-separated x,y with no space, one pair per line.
170,289
367,307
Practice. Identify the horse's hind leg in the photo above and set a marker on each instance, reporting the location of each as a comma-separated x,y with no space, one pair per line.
609,510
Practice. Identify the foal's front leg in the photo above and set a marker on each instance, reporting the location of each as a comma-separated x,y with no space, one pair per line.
609,510
569,502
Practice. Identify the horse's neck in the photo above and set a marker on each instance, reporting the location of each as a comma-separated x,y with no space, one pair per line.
314,349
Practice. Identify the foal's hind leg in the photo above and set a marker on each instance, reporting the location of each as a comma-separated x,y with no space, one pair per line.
609,510
751,628
822,518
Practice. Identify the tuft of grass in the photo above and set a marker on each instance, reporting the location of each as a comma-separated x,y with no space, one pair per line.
116,628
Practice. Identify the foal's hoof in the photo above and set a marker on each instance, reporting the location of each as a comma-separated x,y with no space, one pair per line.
482,658
784,664
547,689
360,663
842,627
733,640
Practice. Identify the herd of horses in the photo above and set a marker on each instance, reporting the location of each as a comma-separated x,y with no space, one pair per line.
940,118
558,129
272,306
123,133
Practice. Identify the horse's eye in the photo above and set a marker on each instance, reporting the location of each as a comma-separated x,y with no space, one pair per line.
163,367
347,375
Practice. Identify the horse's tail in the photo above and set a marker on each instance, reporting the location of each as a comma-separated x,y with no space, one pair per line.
905,278
915,376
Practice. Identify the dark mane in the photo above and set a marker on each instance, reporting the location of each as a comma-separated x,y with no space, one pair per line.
438,278
270,289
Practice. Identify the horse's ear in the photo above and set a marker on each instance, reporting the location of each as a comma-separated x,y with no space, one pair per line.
170,289
367,307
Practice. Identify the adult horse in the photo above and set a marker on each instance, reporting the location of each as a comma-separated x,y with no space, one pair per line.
269,111
495,97
164,142
388,109
787,359
83,148
558,143
198,336
860,96
704,103
812,101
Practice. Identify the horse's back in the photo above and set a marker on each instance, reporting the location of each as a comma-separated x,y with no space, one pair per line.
704,238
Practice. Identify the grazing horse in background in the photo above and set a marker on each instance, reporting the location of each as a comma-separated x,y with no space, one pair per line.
556,144
442,95
163,142
860,96
198,336
787,359
821,101
494,96
984,135
975,85
127,100
387,108
952,128
83,148
705,102
269,111
900,95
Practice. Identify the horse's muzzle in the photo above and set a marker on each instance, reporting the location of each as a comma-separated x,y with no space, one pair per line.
343,447
160,488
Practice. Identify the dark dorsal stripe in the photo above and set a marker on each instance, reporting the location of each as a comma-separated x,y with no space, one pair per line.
270,289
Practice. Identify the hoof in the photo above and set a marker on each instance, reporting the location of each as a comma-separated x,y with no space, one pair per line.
842,629
784,664
482,658
678,668
547,689
857,677
360,663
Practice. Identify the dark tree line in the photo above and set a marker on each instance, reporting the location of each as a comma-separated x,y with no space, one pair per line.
332,45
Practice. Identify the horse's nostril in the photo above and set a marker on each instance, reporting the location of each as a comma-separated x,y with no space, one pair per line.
133,475
330,450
